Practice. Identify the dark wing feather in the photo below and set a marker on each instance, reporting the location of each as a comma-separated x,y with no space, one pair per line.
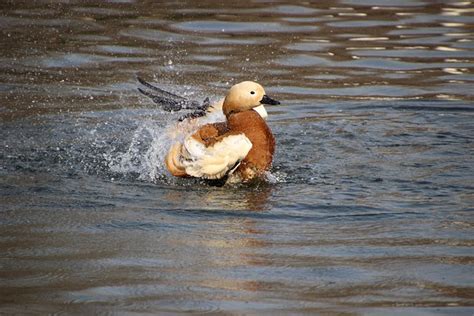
171,102
164,93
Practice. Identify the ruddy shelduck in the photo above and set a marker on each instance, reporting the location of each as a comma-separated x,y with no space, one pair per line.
238,149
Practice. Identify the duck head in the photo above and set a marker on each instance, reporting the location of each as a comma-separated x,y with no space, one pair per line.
245,96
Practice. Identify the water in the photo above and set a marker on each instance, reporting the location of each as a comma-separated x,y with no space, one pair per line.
368,208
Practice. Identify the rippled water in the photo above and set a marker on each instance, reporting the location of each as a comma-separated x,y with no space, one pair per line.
369,206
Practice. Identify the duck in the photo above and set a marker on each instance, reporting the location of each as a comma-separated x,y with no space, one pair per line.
236,146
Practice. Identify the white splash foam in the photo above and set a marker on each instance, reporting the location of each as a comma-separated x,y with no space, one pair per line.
149,145
145,153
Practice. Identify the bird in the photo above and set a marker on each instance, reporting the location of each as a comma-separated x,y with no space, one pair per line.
236,146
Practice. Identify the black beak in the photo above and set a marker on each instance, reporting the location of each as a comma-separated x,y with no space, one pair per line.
267,100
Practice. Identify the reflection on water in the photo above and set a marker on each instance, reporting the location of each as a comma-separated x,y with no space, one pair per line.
367,209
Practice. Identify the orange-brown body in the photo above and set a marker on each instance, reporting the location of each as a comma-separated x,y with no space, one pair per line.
259,158
250,123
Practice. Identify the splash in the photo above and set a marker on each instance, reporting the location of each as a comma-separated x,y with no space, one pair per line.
143,157
274,177
145,153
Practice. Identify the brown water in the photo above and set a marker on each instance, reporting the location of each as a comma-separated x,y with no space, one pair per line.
369,209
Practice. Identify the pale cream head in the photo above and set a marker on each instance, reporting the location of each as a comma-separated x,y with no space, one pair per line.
245,96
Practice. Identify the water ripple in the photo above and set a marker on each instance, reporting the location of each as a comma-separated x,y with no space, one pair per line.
368,205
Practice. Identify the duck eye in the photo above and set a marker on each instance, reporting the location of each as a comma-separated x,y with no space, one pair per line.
252,92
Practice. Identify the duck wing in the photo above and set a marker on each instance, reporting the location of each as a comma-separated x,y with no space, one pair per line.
217,160
171,102
212,152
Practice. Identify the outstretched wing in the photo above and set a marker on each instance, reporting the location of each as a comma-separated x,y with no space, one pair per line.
171,102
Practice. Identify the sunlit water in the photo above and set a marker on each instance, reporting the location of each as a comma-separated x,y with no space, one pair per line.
368,207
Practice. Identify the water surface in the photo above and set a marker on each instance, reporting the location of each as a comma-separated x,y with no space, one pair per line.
368,209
